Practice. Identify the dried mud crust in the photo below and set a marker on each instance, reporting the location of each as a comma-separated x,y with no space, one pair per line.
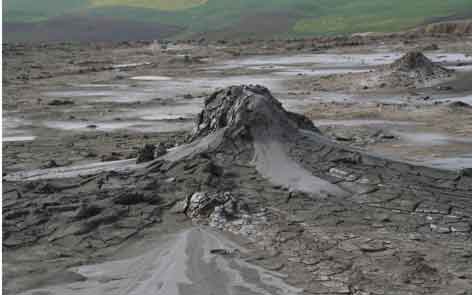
379,227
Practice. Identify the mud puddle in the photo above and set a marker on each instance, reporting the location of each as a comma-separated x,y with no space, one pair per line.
429,138
405,141
467,99
15,138
451,163
429,148
146,88
466,68
352,123
121,95
180,111
16,129
137,126
169,103
335,60
318,71
151,78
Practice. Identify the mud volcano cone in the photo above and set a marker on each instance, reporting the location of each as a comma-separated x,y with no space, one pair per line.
247,124
247,110
416,61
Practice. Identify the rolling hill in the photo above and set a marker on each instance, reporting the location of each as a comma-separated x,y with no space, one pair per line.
32,19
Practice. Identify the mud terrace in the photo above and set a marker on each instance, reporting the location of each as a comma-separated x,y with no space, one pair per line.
258,190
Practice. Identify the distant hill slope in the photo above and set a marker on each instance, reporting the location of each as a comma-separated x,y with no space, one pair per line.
169,5
242,18
462,27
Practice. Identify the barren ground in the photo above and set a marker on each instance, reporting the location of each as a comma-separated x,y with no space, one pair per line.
403,228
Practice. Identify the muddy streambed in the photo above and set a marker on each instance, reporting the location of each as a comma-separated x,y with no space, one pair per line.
184,263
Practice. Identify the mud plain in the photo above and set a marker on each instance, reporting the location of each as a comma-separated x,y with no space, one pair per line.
69,105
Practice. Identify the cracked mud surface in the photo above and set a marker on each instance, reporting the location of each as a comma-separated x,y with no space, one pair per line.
314,214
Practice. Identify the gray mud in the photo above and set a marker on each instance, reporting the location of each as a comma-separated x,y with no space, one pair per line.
267,175
241,193
182,264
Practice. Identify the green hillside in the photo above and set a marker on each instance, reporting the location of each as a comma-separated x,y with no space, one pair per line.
290,17
169,5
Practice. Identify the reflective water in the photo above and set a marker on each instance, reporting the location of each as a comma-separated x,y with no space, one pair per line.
450,163
18,138
467,99
15,129
151,78
137,126
429,139
362,123
143,89
336,60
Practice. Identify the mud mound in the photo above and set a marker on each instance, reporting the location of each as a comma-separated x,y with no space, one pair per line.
250,118
245,108
417,63
413,69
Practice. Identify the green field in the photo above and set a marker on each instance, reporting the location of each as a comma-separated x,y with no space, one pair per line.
379,15
305,17
169,5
